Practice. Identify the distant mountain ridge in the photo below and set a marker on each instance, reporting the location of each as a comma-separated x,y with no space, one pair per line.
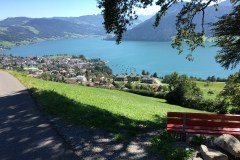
166,30
24,30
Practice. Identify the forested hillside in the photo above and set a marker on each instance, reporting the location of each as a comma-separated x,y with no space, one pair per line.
23,30
166,30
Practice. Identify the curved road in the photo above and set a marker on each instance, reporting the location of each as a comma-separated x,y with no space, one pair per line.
24,133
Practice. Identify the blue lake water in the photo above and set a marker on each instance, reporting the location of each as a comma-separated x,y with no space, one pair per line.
132,56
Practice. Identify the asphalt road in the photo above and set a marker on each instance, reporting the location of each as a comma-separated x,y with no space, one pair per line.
24,132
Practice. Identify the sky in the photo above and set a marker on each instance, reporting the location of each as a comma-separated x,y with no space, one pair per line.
54,8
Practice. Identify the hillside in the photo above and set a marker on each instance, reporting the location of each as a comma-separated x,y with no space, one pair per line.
166,30
112,110
23,30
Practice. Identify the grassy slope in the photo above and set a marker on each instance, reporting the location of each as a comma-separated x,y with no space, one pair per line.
113,110
216,87
3,30
32,29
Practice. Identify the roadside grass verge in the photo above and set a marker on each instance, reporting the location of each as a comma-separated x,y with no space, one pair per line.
115,111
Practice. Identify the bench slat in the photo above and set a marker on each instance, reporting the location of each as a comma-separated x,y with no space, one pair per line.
213,116
204,128
201,131
205,116
211,123
174,121
189,122
175,114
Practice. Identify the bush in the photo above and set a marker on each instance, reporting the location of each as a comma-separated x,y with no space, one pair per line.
147,93
198,140
205,104
119,85
210,92
164,89
146,87
184,92
128,85
163,144
181,88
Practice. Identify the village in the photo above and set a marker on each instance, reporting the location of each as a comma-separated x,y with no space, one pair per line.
78,70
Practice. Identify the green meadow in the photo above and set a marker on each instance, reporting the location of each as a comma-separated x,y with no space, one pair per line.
215,87
113,110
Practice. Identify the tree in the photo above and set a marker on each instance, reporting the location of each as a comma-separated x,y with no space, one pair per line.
118,14
231,93
143,72
155,75
227,34
181,89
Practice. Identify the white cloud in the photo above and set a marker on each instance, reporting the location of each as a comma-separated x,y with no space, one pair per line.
148,11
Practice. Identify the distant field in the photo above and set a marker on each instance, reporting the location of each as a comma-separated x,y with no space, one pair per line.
112,110
216,87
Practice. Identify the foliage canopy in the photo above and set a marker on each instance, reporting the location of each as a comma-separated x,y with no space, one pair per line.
231,92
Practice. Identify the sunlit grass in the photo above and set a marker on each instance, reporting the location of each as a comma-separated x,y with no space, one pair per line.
216,87
109,109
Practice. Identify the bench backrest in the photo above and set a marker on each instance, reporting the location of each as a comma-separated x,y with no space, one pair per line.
200,123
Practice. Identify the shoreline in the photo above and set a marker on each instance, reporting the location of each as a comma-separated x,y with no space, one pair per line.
39,40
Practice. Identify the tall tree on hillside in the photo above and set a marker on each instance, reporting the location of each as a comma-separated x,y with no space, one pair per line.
231,93
227,34
118,14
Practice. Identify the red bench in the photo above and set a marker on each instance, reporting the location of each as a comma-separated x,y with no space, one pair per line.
199,123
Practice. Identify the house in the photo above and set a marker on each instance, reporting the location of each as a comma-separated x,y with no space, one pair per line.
120,78
33,70
148,80
134,77
52,72
81,78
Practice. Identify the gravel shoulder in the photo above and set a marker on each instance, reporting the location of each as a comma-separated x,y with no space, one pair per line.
93,143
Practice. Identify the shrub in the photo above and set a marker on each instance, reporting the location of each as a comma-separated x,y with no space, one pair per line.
119,85
198,140
181,88
184,92
128,85
146,87
164,89
147,93
163,144
205,104
210,92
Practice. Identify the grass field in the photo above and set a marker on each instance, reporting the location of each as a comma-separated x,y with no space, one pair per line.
216,87
113,110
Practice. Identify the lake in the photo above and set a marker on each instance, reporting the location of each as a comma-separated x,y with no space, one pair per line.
132,56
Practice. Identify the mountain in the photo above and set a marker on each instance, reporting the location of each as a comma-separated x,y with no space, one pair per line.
55,27
23,30
166,30
16,21
93,20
